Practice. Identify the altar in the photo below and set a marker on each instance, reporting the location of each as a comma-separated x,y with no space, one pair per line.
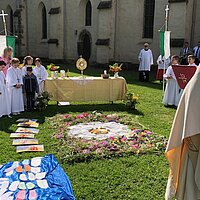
83,89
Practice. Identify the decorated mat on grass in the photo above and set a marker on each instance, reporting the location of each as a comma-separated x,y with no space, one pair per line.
95,135
40,178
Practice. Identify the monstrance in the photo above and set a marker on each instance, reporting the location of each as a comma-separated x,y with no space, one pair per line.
81,64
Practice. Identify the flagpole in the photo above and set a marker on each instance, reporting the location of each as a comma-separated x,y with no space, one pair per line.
166,29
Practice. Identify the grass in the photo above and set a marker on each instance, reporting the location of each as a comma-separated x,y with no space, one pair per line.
130,177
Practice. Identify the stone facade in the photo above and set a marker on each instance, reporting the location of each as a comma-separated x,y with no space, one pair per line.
115,33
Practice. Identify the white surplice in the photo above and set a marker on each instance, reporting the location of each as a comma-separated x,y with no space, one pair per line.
41,73
146,60
5,103
172,90
13,77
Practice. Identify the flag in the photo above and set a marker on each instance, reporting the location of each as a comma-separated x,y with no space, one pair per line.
183,74
162,52
7,41
10,41
167,44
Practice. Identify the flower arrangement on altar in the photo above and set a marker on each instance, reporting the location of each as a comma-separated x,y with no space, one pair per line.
52,67
115,67
75,149
131,100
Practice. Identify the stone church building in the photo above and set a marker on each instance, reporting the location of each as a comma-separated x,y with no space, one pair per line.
100,30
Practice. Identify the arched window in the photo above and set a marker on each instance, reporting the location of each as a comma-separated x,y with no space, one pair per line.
88,14
149,7
44,23
9,20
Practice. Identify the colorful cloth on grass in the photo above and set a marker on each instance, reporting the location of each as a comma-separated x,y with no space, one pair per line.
40,178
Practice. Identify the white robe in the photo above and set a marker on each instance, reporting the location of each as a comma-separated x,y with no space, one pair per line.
172,90
14,77
41,74
146,60
183,149
5,103
162,62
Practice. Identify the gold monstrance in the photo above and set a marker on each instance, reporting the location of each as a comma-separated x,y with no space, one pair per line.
81,64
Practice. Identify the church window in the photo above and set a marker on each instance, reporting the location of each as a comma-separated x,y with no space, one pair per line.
10,14
44,23
88,14
149,7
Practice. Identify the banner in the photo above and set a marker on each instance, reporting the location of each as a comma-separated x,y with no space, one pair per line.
2,44
167,44
183,74
162,52
10,41
7,41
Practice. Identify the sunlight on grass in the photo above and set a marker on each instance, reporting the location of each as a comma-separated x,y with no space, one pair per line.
130,177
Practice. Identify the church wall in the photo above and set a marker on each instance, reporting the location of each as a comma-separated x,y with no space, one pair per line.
197,22
177,29
106,29
125,33
130,29
40,47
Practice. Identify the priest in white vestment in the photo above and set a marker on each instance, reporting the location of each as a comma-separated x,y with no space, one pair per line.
172,90
5,103
15,82
183,149
41,73
146,60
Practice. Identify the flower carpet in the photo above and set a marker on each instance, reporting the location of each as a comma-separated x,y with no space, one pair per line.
100,141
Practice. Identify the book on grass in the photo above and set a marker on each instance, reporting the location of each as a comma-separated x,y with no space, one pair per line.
24,141
31,124
22,135
27,130
30,148
26,120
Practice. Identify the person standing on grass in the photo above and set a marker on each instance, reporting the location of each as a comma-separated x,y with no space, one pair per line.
15,82
7,57
183,149
41,74
27,62
185,51
163,63
146,60
171,94
196,51
5,108
191,61
30,88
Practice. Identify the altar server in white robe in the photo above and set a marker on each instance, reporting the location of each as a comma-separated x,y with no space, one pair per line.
27,62
146,60
172,90
41,73
191,61
183,149
15,82
5,103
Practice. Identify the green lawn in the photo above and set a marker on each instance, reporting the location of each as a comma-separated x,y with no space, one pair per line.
138,177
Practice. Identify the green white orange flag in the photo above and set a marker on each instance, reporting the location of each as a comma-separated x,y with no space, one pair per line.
165,43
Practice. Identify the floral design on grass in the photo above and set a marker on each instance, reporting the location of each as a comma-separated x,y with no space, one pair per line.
138,140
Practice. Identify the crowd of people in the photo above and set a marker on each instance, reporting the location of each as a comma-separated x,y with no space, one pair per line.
19,87
172,93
